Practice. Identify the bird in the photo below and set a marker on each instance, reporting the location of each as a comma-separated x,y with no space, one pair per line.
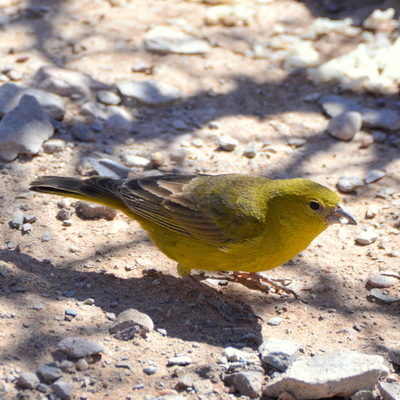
229,222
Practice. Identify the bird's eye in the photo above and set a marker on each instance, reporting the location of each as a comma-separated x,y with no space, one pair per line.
314,205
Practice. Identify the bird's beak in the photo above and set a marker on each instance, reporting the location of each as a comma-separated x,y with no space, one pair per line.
339,213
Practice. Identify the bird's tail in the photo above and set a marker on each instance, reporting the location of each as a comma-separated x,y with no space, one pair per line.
96,189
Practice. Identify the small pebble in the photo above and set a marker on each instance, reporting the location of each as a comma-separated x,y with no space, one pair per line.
150,370
64,214
26,228
227,143
367,237
180,360
89,301
372,211
71,312
108,97
47,236
275,321
251,150
28,380
178,156
62,389
373,176
377,280
82,364
54,146
18,219
296,142
348,184
344,126
30,219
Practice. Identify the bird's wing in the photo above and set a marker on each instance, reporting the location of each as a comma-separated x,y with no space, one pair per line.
163,201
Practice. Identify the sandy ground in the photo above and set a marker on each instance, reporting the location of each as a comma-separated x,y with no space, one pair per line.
114,263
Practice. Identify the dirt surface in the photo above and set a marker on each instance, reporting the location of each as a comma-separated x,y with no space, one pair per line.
114,263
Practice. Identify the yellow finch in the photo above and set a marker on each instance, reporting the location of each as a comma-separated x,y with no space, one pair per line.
217,223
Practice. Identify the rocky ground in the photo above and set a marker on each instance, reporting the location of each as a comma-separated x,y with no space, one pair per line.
240,89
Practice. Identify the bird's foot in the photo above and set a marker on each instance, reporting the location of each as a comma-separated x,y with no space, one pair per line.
232,312
258,281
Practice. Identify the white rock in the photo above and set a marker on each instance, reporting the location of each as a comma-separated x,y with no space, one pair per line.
378,17
373,176
341,373
372,211
367,237
108,97
149,92
345,126
227,143
133,160
162,39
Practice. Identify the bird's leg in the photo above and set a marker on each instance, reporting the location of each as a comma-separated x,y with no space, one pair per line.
258,281
232,312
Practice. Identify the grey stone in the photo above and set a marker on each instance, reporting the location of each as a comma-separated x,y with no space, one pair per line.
26,228
363,395
83,133
348,184
93,109
389,391
344,126
110,168
30,219
279,353
328,375
187,380
108,97
78,347
24,129
87,210
247,383
374,175
54,146
203,387
118,120
378,280
180,360
151,370
227,143
251,150
28,380
49,372
66,82
130,323
394,356
380,295
10,96
63,389
178,156
64,214
18,219
149,92
82,364
162,39
386,119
